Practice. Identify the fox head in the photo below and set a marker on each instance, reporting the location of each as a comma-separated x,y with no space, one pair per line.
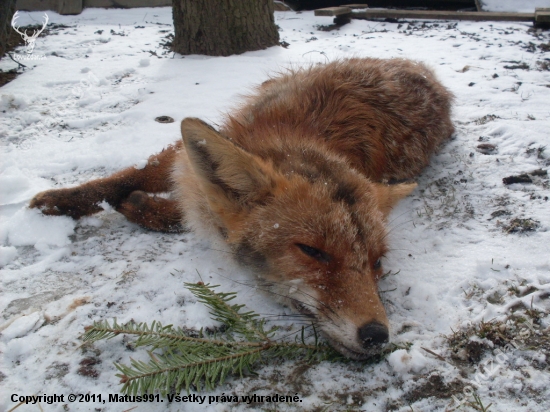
310,226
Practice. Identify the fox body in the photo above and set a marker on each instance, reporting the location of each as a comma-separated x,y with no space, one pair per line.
298,182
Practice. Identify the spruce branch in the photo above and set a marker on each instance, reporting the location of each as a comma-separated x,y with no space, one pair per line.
180,360
242,323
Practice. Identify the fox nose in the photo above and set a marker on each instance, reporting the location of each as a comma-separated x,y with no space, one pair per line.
373,334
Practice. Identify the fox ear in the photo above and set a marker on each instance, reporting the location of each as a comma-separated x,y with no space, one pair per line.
223,168
389,195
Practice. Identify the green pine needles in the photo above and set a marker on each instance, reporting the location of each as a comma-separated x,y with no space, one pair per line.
179,359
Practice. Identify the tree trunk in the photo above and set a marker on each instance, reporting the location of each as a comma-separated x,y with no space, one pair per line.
223,27
7,8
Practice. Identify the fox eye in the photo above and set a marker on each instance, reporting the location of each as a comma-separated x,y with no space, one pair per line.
316,254
377,265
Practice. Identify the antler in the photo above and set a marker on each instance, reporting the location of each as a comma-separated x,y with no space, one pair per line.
24,34
14,22
46,19
29,40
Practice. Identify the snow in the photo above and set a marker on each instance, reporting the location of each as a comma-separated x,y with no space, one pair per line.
403,361
524,6
88,110
31,228
21,327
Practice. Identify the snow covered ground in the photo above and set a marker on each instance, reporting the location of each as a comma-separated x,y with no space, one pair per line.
525,6
463,247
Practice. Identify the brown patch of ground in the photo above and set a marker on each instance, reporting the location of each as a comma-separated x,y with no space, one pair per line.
518,65
8,76
434,387
518,225
57,370
14,40
486,119
87,367
521,330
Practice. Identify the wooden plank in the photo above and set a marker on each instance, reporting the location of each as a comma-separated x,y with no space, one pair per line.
333,11
542,16
464,3
356,6
442,15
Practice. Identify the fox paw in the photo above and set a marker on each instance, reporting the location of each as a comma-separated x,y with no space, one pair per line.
151,212
64,202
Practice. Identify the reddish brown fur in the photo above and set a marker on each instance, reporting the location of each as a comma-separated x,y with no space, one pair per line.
294,183
124,191
386,117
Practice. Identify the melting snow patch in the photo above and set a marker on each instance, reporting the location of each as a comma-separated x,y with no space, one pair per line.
30,228
403,362
7,255
9,101
525,6
141,164
21,326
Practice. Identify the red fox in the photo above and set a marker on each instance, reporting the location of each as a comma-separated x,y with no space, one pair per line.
299,182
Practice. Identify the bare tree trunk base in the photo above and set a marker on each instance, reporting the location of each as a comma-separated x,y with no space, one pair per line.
223,27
